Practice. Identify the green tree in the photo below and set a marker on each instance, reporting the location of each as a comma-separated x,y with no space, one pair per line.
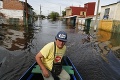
42,16
54,16
63,13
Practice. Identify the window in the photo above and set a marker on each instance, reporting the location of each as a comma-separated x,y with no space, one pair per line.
107,11
14,20
106,14
82,13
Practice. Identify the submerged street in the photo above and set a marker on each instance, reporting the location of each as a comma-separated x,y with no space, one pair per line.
96,59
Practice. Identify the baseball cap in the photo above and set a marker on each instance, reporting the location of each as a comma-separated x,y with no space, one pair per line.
61,35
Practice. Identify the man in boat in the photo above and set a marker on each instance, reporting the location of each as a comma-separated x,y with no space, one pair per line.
51,53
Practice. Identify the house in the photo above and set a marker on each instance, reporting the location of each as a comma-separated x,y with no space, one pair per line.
82,12
15,11
110,17
78,14
110,11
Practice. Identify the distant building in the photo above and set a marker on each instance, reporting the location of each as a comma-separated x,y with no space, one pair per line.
73,13
87,10
111,11
15,11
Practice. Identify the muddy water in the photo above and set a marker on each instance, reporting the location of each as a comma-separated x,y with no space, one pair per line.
95,59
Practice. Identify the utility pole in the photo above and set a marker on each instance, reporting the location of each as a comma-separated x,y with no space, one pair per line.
95,26
40,10
60,10
60,13
40,16
26,8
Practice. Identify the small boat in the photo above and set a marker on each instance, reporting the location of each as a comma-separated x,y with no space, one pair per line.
34,71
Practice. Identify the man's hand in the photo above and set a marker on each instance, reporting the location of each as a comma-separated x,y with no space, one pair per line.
45,73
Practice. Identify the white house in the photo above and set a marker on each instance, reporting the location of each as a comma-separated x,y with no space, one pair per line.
11,13
111,11
15,11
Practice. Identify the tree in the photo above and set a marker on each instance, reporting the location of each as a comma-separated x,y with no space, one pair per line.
42,16
54,16
63,13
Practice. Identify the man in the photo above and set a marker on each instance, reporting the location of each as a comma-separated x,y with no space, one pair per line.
46,56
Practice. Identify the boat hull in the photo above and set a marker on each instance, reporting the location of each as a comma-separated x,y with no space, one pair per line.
28,75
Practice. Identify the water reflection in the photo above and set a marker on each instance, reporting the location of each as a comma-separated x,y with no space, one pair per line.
16,37
108,41
115,39
21,37
103,36
14,40
115,43
112,38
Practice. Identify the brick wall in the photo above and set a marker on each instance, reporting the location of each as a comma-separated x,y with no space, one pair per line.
12,4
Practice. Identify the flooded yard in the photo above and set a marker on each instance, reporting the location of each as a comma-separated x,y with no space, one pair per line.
96,59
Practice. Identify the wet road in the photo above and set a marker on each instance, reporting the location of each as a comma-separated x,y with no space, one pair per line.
97,59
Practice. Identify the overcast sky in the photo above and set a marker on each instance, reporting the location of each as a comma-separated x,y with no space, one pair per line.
59,5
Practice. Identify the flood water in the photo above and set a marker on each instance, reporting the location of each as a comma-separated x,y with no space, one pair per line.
97,59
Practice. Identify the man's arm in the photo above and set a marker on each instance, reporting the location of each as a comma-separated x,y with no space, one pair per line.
43,68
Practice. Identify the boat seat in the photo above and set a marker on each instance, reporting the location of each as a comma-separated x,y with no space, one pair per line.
68,69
